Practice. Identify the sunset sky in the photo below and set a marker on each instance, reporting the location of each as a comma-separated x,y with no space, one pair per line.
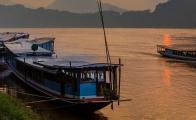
128,4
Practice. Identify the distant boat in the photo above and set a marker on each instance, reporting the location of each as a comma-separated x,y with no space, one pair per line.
182,52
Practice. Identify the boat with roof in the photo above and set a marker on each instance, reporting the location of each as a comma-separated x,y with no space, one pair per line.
84,86
182,52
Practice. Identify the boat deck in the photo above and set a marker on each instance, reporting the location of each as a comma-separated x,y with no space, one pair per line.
55,63
187,48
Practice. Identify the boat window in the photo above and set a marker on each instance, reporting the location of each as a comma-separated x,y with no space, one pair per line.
161,49
184,53
92,76
88,76
101,76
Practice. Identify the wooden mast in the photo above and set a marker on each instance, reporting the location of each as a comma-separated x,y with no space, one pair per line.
109,62
104,31
119,80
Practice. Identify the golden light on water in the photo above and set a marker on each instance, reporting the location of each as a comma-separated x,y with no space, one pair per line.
167,40
167,77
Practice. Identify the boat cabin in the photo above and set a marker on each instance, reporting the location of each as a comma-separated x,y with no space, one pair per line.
25,49
46,43
74,79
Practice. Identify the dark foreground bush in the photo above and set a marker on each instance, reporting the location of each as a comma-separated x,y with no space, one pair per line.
13,109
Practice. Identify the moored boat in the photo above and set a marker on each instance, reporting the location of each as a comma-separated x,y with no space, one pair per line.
82,85
183,52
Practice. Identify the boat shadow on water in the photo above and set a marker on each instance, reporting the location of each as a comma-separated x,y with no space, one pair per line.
49,110
66,115
190,64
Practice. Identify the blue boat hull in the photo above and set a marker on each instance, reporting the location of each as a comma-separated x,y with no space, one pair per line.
177,57
63,104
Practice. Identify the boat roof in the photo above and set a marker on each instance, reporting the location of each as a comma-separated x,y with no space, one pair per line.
186,48
6,37
22,48
57,63
34,40
42,40
21,40
9,36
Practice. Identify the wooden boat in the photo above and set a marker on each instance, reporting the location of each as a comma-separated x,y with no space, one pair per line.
82,86
183,52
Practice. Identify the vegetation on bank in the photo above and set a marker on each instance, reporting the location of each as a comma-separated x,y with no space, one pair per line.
13,109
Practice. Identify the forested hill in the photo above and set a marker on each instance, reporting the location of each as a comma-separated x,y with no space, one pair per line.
173,14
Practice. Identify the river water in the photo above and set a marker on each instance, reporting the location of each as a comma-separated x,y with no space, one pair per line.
159,88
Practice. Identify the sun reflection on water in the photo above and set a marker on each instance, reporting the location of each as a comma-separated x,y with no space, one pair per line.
167,39
167,76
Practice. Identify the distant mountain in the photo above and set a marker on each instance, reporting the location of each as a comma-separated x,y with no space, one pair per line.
173,14
82,6
179,13
109,7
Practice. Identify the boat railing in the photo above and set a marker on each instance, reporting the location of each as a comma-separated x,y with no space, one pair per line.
161,48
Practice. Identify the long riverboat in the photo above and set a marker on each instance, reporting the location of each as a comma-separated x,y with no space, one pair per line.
80,85
183,52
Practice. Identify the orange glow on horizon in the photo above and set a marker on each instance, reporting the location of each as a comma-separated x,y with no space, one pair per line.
167,40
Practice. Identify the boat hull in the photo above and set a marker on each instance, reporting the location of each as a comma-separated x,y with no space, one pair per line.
63,103
87,107
177,57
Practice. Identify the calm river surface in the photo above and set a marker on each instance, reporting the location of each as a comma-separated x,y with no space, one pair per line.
160,89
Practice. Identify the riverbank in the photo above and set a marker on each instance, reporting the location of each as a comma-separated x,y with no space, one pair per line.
13,109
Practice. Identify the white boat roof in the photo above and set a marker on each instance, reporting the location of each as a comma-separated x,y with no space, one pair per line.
8,36
21,40
34,40
42,40
52,62
24,47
